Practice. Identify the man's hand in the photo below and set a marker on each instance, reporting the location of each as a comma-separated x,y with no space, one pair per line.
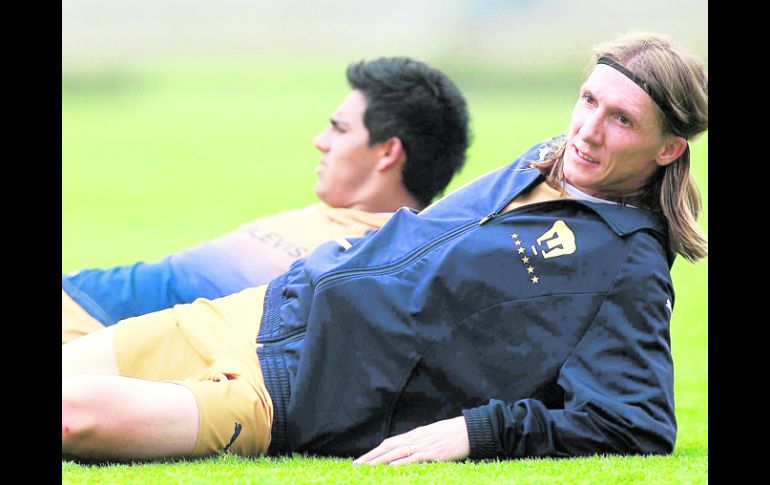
445,440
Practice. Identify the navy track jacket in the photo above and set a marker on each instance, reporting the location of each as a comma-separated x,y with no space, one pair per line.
547,327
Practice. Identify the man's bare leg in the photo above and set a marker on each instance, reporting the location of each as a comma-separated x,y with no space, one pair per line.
107,416
122,418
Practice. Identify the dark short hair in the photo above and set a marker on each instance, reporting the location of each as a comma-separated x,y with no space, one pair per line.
423,108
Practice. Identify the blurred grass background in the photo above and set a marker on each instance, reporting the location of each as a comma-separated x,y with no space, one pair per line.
161,152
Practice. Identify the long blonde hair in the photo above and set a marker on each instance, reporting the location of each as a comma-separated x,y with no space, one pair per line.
678,79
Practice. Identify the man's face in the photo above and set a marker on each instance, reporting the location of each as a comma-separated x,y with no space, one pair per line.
347,160
615,135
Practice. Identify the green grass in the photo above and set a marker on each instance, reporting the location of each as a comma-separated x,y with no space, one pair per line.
299,469
161,157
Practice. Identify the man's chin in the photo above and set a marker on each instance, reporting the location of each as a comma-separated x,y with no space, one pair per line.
322,194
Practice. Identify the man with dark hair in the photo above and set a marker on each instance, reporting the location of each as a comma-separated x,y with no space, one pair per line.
408,100
396,140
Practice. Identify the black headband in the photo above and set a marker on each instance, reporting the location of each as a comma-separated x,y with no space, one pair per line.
643,84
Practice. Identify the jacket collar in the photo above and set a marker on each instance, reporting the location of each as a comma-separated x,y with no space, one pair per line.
626,220
623,220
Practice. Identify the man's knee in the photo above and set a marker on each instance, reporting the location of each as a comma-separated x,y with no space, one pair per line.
88,420
79,414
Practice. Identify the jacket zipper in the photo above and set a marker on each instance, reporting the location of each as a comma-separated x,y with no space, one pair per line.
334,276
395,266
283,339
489,217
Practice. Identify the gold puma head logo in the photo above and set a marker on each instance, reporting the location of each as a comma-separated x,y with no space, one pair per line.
559,239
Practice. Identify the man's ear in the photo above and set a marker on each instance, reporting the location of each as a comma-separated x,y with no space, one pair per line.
672,150
392,154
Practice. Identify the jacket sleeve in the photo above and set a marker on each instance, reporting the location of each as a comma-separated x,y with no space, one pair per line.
617,383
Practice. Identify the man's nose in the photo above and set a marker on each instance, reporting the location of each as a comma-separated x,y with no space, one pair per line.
321,140
592,129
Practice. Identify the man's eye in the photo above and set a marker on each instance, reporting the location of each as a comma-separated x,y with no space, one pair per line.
624,120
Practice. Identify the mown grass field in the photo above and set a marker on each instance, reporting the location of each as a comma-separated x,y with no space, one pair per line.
160,157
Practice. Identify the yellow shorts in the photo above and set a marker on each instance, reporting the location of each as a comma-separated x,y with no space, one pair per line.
209,347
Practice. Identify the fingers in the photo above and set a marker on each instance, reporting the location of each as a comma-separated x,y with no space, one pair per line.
413,458
387,452
376,452
444,440
400,453
394,453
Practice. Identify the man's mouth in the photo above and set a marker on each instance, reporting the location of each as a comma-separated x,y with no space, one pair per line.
585,156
